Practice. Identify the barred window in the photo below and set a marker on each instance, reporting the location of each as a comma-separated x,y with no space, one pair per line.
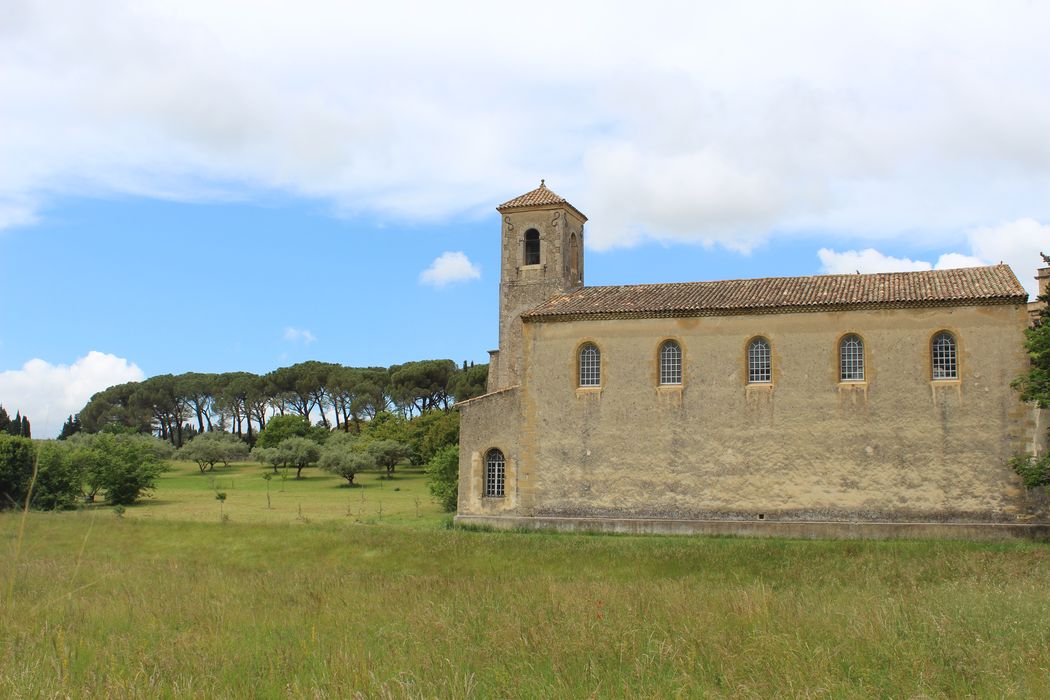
590,365
670,363
759,362
851,359
532,247
495,473
943,355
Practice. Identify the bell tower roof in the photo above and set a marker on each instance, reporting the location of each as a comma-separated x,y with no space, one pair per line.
539,197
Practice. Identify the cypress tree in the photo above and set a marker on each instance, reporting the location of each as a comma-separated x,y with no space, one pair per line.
70,427
26,432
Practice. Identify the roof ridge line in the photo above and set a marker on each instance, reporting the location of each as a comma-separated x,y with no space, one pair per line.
849,275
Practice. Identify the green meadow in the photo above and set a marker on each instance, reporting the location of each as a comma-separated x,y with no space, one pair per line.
325,594
184,493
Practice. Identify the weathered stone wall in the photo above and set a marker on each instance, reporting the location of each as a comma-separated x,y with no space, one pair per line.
490,421
898,446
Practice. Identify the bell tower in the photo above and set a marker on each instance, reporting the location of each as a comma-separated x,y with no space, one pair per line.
542,238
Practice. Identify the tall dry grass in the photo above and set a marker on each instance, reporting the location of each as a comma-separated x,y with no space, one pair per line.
170,609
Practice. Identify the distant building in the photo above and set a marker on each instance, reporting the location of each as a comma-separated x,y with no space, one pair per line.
833,405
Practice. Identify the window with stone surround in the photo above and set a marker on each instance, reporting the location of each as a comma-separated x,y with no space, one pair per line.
759,362
590,365
495,473
851,359
670,363
943,356
532,247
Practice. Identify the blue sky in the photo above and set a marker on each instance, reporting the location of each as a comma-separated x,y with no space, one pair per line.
224,186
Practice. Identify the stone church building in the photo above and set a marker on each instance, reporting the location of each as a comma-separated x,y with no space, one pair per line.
875,405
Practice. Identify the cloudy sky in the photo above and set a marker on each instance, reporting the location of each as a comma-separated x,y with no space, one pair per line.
232,185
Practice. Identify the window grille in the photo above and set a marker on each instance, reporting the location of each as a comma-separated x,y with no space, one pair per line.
670,363
495,473
945,361
851,359
532,247
759,363
590,366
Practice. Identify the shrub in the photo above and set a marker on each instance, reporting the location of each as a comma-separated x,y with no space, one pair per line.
443,476
1033,472
58,478
124,467
16,470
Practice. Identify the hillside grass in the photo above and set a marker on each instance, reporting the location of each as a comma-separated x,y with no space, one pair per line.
319,597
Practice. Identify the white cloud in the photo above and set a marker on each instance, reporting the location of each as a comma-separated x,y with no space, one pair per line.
299,335
950,261
1016,243
449,267
667,121
47,393
865,261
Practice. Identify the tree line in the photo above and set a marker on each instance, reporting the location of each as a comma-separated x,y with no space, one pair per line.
119,466
17,426
336,397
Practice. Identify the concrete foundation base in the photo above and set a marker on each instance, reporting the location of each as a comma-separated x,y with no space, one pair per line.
769,528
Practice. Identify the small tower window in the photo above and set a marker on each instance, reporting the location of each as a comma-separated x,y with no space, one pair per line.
532,247
944,357
574,259
495,473
759,362
670,363
590,365
851,359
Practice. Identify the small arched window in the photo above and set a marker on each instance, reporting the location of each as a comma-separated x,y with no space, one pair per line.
851,359
670,363
759,362
495,473
532,247
590,365
945,363
574,259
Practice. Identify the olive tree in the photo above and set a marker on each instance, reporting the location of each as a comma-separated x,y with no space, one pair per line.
208,449
387,454
340,455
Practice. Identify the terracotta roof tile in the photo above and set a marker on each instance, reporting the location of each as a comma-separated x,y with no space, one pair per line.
995,284
539,197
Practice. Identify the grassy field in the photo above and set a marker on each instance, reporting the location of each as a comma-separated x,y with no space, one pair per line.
184,493
169,602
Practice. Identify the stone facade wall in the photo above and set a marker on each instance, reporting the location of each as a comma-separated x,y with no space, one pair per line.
896,447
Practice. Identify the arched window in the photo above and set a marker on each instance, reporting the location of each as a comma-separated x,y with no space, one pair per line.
590,365
495,473
851,359
759,362
670,363
574,259
532,247
944,359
